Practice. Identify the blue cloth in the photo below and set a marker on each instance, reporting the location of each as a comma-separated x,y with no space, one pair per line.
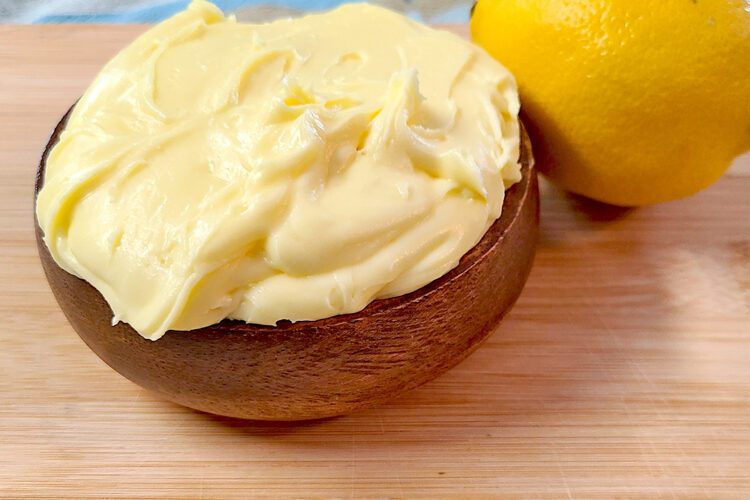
143,11
164,10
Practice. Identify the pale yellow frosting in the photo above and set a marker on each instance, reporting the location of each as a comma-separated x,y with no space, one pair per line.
292,170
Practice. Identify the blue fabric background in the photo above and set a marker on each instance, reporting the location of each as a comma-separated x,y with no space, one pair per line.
138,11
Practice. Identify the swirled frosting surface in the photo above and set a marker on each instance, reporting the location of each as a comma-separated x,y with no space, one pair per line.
292,170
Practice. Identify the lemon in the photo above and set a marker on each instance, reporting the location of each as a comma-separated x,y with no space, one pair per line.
628,102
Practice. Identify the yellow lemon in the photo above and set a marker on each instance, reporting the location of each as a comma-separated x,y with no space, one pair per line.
629,102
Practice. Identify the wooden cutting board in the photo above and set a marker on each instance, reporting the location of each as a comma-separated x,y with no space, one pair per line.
624,369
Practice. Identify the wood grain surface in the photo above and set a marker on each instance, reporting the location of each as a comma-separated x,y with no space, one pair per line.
623,370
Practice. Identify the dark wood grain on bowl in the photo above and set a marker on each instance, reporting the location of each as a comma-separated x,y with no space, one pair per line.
327,367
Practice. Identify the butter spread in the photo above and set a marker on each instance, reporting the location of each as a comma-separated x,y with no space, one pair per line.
292,170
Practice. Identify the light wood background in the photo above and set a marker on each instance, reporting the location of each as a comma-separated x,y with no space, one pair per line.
624,370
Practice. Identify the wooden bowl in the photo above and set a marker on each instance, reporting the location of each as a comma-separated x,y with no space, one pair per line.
323,368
